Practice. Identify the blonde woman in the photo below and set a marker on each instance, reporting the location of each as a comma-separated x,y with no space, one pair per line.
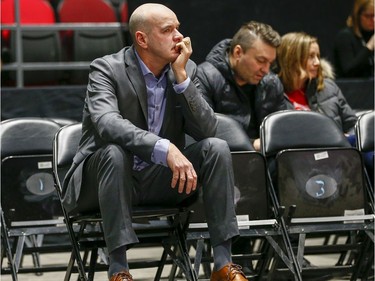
308,80
354,45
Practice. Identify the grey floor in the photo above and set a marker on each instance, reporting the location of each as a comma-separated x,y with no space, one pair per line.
138,274
62,258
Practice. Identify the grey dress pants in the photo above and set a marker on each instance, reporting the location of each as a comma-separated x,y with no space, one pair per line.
110,184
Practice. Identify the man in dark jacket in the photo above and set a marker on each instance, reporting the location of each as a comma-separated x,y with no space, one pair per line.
236,82
235,78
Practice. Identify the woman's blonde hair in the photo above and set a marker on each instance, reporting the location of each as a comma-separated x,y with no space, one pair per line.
353,21
292,56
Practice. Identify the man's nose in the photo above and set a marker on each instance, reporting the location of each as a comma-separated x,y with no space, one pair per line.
266,68
178,36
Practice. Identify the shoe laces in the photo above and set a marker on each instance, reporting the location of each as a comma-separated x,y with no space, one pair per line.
234,269
125,276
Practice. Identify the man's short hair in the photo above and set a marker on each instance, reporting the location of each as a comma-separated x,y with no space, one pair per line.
251,31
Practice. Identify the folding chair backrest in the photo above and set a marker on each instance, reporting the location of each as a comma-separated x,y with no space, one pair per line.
64,149
364,130
250,192
249,167
316,169
321,182
299,129
27,136
230,130
27,189
250,189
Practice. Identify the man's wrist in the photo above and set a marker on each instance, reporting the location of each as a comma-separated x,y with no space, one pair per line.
181,76
181,87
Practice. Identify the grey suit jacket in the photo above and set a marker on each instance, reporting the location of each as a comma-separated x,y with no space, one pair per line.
115,111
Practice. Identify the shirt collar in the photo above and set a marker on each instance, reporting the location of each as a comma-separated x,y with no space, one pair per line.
146,71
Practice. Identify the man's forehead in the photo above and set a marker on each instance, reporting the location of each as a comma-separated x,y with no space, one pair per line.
166,21
261,48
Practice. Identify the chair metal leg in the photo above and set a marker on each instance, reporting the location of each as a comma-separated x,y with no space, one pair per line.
159,271
198,256
70,267
76,255
6,244
364,261
20,242
93,260
189,271
180,254
33,241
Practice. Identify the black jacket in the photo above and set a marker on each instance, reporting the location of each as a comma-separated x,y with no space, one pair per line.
331,102
248,105
352,58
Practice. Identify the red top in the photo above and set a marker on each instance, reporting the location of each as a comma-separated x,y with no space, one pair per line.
298,99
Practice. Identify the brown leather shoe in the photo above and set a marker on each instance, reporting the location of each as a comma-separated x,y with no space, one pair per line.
230,272
122,276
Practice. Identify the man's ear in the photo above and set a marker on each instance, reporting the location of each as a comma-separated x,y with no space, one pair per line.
237,51
141,39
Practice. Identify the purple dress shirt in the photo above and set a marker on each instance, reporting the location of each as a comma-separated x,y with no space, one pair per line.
156,100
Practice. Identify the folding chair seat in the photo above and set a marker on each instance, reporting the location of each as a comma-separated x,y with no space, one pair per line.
257,217
154,225
318,175
30,206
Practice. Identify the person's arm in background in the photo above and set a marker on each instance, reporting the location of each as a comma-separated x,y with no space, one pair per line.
205,74
348,116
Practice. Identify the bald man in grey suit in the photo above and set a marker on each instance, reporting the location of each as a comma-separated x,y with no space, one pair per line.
140,103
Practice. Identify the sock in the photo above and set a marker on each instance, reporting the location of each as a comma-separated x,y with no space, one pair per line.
117,261
222,254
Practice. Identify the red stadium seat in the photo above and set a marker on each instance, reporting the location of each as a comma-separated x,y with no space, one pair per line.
86,11
34,43
31,12
86,45
124,11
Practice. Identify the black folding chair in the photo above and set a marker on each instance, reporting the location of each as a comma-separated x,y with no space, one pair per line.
256,214
153,225
319,177
364,131
29,203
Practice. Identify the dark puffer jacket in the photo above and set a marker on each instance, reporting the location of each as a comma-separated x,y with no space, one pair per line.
331,102
249,104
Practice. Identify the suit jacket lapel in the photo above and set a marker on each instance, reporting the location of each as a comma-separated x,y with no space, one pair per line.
136,78
170,102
